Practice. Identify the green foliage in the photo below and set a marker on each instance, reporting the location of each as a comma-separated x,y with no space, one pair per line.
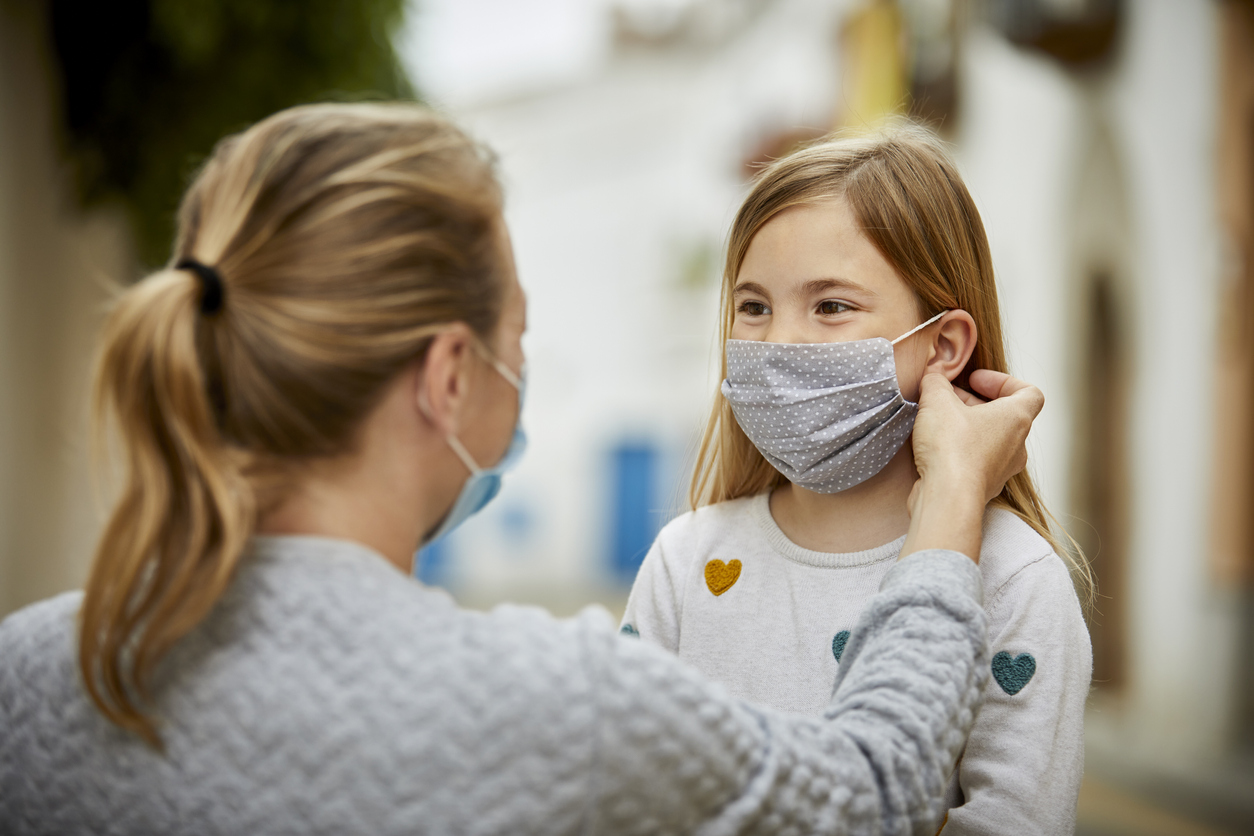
149,86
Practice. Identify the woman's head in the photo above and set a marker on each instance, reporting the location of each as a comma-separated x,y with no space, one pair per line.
855,238
347,238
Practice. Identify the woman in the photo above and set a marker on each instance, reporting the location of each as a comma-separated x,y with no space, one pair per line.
299,401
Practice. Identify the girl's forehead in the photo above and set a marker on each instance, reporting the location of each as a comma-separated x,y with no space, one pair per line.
805,246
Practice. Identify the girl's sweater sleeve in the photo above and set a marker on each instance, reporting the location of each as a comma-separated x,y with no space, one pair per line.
653,608
1022,766
678,754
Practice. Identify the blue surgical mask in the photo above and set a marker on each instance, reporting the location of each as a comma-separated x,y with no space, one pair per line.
484,483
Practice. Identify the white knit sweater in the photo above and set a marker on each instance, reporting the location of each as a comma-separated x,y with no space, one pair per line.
772,625
329,693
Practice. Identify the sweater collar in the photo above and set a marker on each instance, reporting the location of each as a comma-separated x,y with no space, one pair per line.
760,508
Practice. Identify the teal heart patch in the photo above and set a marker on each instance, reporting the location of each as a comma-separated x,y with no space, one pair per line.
630,630
838,644
1013,673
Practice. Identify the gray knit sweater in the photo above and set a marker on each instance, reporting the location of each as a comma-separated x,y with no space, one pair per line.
329,693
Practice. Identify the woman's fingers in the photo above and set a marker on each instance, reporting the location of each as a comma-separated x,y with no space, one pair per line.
997,385
958,434
989,383
934,386
968,398
1012,411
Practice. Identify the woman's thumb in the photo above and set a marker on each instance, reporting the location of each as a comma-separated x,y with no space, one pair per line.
934,387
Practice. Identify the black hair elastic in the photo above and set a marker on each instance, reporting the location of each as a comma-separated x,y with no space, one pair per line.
211,289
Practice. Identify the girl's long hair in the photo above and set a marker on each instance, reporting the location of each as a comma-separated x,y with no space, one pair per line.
345,236
907,196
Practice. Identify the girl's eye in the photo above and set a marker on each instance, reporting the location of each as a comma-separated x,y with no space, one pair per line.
751,308
831,307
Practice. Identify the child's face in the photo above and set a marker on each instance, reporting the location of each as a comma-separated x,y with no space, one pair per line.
810,275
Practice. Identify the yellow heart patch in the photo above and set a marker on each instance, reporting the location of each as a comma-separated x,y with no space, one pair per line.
720,576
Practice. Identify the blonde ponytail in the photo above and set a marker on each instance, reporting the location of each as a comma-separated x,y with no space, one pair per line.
345,237
184,512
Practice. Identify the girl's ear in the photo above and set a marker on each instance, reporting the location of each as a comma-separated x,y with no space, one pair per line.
443,379
952,345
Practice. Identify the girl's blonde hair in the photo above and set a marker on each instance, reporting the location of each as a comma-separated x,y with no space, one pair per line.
907,196
346,237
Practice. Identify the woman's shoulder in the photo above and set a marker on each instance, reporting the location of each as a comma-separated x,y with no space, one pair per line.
1014,556
39,681
27,635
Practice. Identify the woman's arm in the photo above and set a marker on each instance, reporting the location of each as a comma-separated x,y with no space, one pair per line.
679,754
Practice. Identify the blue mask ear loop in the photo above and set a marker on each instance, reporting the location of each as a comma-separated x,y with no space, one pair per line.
514,380
918,328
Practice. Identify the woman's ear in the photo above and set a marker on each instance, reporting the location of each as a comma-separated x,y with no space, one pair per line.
443,379
952,345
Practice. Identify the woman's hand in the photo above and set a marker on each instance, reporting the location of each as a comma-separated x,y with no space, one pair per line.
966,449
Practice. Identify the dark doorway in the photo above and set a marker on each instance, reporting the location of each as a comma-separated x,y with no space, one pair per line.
1101,487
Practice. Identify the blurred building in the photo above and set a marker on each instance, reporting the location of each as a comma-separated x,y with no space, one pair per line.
56,262
1109,149
621,177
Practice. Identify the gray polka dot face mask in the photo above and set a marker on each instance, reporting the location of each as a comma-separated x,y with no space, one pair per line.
826,415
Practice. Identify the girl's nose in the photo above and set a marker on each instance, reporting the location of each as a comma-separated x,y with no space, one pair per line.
785,328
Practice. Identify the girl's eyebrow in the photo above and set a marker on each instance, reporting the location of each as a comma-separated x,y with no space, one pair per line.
810,288
750,287
817,286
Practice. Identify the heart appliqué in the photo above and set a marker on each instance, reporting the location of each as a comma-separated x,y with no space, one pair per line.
1012,674
720,576
838,644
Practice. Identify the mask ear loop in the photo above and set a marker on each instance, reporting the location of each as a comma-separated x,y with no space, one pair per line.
463,454
506,372
498,364
458,448
452,440
918,328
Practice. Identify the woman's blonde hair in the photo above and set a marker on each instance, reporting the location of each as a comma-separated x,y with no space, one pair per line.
346,237
907,196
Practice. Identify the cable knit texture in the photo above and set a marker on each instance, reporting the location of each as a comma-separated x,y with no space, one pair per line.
328,693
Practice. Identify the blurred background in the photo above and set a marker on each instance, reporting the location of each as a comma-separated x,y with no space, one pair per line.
1109,145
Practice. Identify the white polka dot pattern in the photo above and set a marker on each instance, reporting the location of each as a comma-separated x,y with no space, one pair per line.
826,415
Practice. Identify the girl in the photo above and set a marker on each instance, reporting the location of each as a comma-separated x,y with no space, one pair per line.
802,479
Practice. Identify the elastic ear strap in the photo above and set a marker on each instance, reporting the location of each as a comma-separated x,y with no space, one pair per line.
463,454
919,328
506,371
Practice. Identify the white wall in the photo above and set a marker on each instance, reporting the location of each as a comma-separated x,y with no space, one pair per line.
613,181
1026,129
1165,103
